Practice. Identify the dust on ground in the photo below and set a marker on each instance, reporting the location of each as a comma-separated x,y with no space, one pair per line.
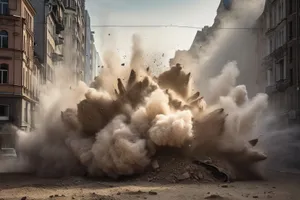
26,187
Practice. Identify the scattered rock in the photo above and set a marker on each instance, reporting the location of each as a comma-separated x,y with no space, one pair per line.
123,64
269,196
214,196
255,197
224,186
217,172
23,198
155,164
51,196
152,193
253,142
135,192
183,176
119,193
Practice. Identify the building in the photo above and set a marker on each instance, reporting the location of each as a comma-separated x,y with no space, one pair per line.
75,39
95,58
88,70
98,65
202,36
18,74
278,56
48,29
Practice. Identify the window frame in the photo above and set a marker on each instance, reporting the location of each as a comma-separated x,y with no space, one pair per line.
3,37
2,71
5,118
4,11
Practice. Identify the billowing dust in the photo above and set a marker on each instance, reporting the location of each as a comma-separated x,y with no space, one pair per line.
128,117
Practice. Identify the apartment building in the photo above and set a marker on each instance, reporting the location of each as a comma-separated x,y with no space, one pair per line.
75,39
49,41
18,74
88,70
277,49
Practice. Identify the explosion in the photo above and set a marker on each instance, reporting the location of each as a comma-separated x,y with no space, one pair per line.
102,131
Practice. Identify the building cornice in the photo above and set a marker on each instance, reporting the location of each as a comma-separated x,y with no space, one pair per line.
30,7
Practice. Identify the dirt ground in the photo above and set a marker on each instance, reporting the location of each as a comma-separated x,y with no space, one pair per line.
26,187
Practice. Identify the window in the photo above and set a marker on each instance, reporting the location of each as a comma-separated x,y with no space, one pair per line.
281,70
271,19
3,73
271,45
3,39
291,77
290,6
290,30
26,112
4,112
4,7
291,54
269,76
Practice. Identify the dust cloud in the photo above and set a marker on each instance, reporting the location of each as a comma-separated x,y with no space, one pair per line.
232,37
118,125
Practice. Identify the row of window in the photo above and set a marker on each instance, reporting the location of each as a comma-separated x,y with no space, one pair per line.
27,42
276,13
277,72
277,40
29,81
4,111
28,19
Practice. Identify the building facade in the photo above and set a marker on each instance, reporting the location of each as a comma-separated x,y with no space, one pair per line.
88,70
278,56
94,54
18,74
97,69
49,41
75,39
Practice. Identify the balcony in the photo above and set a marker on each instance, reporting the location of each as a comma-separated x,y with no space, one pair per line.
279,86
57,15
57,57
270,89
282,85
267,61
70,5
59,40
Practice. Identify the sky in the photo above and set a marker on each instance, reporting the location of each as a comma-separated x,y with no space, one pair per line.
197,13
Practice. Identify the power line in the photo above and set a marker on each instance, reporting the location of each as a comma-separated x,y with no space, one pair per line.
168,26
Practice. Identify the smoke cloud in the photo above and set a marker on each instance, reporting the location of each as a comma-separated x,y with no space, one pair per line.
117,125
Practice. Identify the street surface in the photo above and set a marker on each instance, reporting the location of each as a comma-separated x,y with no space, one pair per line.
25,187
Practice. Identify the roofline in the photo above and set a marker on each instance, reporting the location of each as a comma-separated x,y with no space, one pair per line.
30,7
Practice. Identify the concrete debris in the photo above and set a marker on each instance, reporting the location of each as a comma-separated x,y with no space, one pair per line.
183,176
217,172
155,164
214,196
152,193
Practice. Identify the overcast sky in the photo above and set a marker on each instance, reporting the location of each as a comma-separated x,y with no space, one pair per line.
149,12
